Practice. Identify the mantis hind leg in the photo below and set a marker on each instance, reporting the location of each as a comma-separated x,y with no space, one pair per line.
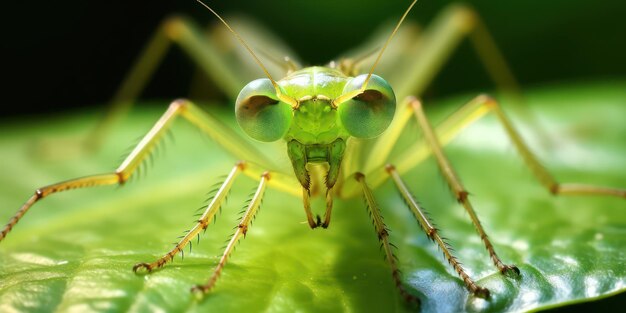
438,42
208,53
471,112
174,30
418,63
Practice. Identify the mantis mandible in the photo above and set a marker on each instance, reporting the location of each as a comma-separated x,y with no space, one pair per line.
322,113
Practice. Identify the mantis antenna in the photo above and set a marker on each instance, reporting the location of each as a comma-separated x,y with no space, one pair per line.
282,97
350,95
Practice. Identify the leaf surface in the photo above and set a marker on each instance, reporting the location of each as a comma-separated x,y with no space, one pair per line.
74,251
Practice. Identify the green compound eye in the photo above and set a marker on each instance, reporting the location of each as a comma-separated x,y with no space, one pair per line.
259,112
370,113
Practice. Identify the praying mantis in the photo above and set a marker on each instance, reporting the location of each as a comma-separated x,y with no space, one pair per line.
341,178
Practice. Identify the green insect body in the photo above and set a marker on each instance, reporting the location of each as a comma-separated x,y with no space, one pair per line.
316,130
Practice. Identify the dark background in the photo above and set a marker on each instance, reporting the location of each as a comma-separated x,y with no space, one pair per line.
60,55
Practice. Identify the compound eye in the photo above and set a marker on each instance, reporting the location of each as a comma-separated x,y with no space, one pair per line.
259,112
370,113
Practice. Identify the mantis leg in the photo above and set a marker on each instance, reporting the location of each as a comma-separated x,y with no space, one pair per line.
411,62
436,45
452,126
314,223
477,108
176,30
387,141
208,124
241,230
383,237
203,222
457,188
447,131
418,65
208,216
433,233
306,199
207,52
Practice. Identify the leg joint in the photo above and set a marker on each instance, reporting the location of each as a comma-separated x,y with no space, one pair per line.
415,103
179,104
121,177
555,189
359,176
461,196
203,222
466,15
241,165
383,233
389,168
431,232
411,101
487,100
173,27
244,228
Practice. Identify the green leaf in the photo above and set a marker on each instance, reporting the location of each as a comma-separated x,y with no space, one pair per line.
75,250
